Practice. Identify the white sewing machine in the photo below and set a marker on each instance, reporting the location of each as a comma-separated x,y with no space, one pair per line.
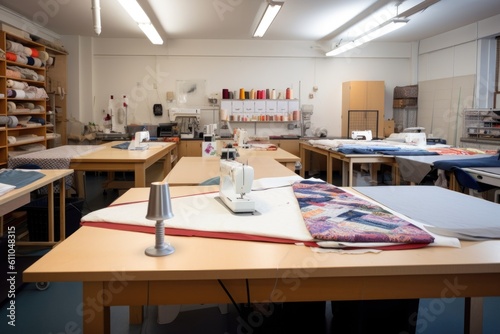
188,120
241,137
236,181
362,135
137,142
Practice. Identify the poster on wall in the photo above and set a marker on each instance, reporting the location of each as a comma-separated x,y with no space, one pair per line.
191,92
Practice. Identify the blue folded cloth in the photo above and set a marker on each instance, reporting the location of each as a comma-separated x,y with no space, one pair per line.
491,161
19,178
122,146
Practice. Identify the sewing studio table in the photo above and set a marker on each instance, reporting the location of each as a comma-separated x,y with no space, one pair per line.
102,158
191,171
284,157
348,161
16,198
115,270
109,159
488,175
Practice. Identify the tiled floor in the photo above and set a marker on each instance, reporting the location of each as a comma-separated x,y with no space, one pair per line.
58,308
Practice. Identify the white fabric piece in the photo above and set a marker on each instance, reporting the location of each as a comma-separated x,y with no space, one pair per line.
279,217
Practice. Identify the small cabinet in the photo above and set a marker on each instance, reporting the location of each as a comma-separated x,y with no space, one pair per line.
190,148
289,145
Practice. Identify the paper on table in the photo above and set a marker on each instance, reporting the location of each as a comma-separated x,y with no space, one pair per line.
5,188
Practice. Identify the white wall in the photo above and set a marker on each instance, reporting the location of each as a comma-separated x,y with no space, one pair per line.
144,73
456,71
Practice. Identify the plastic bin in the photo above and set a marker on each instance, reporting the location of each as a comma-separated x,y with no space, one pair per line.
37,217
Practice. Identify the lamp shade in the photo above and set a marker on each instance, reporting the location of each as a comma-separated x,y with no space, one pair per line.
159,206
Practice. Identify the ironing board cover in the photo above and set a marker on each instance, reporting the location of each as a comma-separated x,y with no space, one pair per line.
333,214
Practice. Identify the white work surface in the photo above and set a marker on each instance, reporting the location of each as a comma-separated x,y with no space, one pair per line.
488,175
449,212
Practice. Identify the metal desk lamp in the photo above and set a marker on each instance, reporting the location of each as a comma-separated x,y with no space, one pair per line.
159,209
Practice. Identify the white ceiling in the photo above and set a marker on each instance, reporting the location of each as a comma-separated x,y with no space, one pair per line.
302,20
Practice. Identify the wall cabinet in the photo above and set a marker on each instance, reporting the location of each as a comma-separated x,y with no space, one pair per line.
23,96
260,110
363,107
481,126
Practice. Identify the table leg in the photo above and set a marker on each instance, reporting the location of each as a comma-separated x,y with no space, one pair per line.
351,171
140,176
305,162
136,315
473,315
50,208
62,209
80,183
374,168
96,316
345,171
329,171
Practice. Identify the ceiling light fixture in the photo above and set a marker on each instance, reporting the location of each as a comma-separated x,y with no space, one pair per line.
96,15
141,18
272,9
381,30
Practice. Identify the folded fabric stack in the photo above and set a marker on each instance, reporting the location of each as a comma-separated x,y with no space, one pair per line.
17,72
31,92
21,54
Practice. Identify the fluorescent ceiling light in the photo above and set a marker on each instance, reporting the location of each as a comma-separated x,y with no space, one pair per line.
272,9
149,30
141,18
371,35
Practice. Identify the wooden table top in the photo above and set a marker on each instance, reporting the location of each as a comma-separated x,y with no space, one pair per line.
194,170
94,254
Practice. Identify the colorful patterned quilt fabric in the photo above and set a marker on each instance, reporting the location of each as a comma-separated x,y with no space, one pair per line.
333,214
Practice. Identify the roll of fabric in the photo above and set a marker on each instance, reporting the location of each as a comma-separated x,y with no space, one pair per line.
22,59
43,55
29,93
41,77
11,106
14,47
11,93
11,56
29,105
30,61
10,121
13,74
16,84
27,51
38,62
19,93
50,61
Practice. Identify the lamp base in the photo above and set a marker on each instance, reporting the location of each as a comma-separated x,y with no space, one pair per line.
164,250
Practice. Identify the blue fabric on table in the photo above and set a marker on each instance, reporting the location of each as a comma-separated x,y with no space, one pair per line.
465,163
19,178
409,152
122,146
